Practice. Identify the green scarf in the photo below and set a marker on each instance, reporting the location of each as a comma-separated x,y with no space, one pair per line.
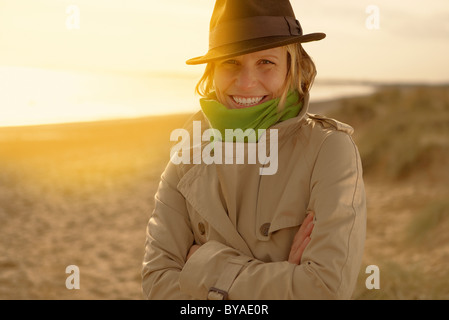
261,116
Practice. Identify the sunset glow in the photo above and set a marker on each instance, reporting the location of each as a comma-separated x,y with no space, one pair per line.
135,39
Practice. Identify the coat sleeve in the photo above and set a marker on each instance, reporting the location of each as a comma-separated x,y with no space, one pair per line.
331,262
168,240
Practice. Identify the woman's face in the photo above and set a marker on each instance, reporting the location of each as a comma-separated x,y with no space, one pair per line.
251,79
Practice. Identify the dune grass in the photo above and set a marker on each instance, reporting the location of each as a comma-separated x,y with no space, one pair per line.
403,137
428,228
402,131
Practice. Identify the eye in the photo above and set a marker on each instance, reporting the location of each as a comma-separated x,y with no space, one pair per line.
230,61
265,61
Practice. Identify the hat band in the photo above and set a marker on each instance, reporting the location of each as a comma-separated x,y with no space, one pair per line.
253,28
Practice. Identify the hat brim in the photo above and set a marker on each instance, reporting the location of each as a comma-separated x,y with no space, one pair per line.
254,45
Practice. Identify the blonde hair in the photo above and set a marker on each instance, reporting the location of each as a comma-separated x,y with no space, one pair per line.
301,73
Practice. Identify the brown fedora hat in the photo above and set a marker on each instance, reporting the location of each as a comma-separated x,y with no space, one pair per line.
243,26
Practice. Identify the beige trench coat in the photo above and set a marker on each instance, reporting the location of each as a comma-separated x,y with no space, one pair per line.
246,221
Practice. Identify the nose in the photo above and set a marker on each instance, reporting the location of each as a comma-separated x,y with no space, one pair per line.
246,78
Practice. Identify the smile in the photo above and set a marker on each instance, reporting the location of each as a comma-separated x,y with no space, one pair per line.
247,102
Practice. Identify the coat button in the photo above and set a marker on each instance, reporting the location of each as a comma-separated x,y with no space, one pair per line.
264,229
201,228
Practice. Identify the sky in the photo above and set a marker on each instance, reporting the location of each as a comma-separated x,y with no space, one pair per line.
375,40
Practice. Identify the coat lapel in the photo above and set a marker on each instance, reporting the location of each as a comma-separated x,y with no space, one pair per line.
200,186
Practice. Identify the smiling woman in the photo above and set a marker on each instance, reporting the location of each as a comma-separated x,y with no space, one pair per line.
281,68
251,79
228,231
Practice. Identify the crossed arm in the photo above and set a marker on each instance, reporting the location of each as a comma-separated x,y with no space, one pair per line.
323,265
300,241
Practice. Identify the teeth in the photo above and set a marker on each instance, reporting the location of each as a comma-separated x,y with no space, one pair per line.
247,101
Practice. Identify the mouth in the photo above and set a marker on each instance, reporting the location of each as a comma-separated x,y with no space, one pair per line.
244,102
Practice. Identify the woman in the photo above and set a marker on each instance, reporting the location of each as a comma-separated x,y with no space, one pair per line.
227,231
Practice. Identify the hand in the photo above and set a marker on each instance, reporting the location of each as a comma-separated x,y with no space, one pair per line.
192,250
301,240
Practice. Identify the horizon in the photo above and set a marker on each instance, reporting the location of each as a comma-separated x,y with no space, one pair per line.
67,96
196,75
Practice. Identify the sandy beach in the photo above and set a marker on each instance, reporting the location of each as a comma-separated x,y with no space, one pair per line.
82,193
